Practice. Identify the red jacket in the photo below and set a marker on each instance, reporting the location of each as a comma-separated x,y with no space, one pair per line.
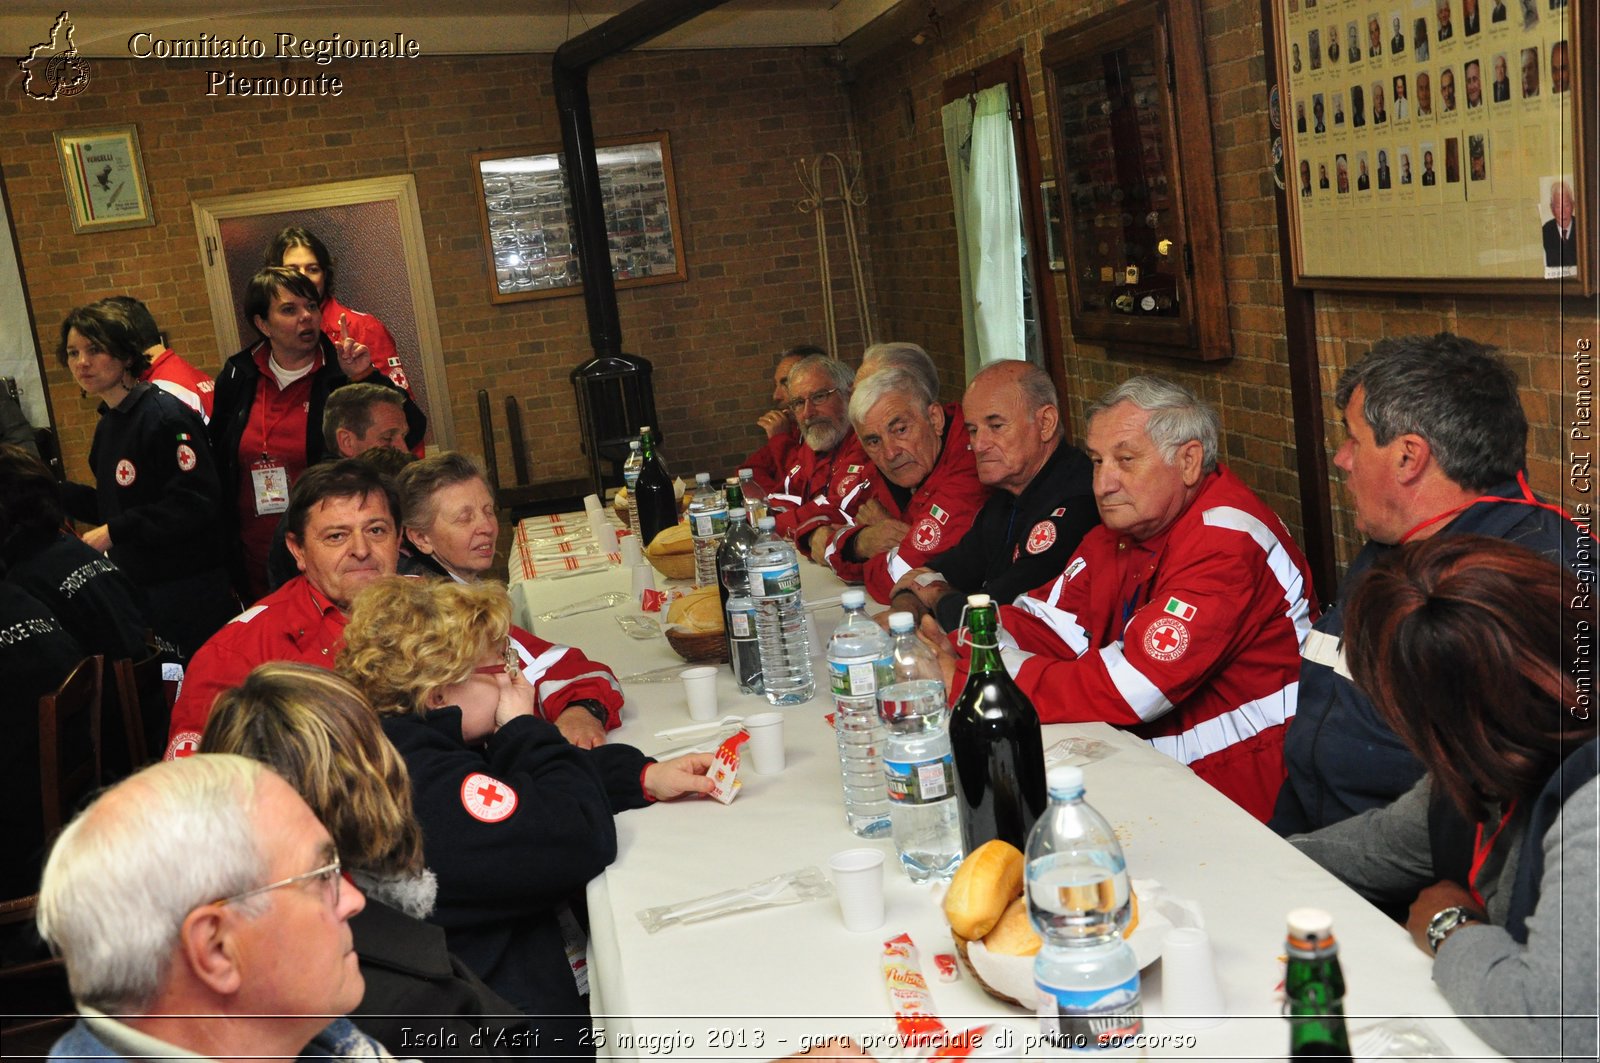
178,378
940,511
821,489
296,623
1201,659
771,460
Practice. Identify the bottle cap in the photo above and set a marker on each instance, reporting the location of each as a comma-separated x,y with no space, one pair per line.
978,601
1064,780
731,481
643,429
854,598
767,523
900,623
702,478
1310,923
747,474
633,444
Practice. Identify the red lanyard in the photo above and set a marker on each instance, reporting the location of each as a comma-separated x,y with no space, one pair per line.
1481,849
1527,499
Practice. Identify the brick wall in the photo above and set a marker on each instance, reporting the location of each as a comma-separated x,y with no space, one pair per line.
914,252
739,121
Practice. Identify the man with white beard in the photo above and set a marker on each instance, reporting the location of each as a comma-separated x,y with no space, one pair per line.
828,472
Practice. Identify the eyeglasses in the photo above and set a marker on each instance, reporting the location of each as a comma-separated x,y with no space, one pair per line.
329,876
816,398
508,663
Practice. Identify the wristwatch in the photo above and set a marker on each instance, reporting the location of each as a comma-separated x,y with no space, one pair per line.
1447,920
593,708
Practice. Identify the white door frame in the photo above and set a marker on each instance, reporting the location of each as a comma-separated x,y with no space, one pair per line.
401,190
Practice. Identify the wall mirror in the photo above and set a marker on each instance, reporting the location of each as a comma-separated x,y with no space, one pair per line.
1133,156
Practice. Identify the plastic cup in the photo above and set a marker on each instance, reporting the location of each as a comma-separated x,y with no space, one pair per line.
604,533
644,579
591,503
632,553
1190,994
858,882
766,742
700,689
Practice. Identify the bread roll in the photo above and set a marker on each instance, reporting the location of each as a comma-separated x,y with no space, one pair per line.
699,610
987,880
673,540
1013,935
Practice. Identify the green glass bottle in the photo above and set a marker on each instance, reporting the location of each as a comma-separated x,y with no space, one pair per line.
1314,989
654,497
998,747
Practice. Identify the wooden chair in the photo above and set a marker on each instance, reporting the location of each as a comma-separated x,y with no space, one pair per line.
38,1001
524,499
69,744
142,698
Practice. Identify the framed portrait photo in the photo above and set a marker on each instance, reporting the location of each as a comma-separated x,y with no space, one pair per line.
105,181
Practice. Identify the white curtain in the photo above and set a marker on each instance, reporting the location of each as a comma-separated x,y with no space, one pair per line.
983,178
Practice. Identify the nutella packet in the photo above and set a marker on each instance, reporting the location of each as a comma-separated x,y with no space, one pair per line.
724,770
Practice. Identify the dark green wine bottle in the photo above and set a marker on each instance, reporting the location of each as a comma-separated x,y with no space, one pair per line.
1314,988
658,505
999,750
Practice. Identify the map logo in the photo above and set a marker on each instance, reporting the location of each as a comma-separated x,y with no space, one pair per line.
53,68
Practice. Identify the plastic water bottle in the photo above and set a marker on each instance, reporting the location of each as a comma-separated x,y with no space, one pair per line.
782,628
755,496
739,610
630,479
1078,901
917,764
708,522
857,649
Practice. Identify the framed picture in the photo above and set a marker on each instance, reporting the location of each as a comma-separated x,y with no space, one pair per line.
1051,199
527,218
1445,154
105,178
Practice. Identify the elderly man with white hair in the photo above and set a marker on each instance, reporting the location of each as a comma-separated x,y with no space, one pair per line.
202,904
828,474
926,489
1181,615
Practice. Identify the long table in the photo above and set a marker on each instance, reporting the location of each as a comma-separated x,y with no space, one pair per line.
758,985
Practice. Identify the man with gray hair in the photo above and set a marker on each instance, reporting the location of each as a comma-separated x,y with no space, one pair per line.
1041,506
908,356
1180,617
201,902
828,475
360,416
926,491
1435,444
769,460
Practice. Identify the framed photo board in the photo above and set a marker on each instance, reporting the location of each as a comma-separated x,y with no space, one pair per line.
1438,145
527,218
104,176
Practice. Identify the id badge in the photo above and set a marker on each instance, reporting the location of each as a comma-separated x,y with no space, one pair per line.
271,482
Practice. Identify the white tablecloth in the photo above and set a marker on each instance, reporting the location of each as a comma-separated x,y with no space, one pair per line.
756,985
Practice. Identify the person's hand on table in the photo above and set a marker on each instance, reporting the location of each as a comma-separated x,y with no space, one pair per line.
817,541
928,592
99,538
578,725
881,537
775,423
871,512
933,637
667,779
355,360
1433,900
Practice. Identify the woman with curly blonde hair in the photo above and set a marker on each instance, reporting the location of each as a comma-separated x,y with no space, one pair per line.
316,731
516,820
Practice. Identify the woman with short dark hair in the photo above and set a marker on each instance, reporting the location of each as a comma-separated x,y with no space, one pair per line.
1465,645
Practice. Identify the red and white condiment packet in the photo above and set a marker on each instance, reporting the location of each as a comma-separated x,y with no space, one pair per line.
914,1015
947,966
724,770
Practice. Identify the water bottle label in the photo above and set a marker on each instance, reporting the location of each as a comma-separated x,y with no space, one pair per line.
1090,1019
742,625
920,782
775,582
853,677
710,523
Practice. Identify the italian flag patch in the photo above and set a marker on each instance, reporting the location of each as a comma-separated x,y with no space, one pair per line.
1179,608
938,514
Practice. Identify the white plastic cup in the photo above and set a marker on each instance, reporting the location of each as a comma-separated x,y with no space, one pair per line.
591,503
632,553
766,742
858,882
700,690
644,579
1190,994
604,533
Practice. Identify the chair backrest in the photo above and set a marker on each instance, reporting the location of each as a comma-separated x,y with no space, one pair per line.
142,697
69,743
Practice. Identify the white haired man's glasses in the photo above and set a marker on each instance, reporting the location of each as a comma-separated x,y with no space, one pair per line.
329,876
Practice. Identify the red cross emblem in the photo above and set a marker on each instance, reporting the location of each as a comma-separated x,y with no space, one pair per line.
126,473
1166,639
183,744
486,798
926,534
1042,537
186,458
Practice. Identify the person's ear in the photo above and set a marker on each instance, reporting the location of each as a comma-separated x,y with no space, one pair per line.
936,415
346,441
421,540
1048,419
296,548
1414,457
211,948
1191,459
